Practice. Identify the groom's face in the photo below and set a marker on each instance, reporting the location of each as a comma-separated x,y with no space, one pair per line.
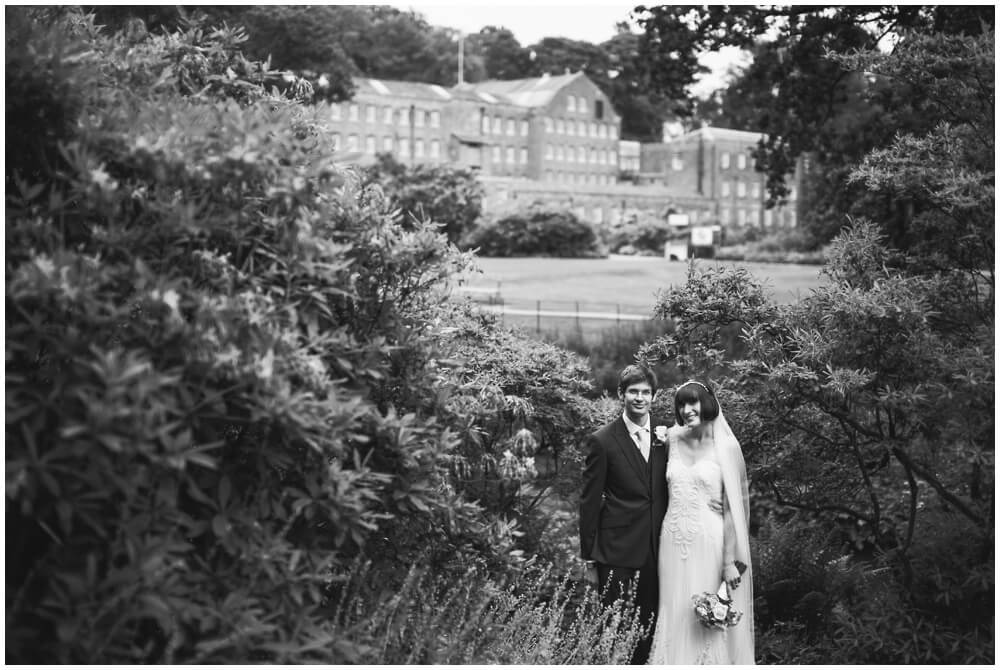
637,398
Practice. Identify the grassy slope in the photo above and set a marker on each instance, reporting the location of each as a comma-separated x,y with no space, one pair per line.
629,283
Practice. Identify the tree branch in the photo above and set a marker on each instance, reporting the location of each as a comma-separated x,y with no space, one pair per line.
962,507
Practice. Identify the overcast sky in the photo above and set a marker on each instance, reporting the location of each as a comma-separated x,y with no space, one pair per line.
592,22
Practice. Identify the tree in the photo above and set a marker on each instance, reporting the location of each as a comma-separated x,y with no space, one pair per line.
503,56
806,104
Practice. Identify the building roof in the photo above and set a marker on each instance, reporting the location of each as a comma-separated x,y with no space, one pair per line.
402,89
710,133
533,92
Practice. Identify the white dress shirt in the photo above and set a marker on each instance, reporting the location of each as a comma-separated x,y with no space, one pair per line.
640,435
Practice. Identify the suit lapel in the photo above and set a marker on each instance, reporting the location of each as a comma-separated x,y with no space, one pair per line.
632,454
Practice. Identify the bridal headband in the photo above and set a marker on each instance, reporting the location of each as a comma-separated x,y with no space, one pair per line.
692,381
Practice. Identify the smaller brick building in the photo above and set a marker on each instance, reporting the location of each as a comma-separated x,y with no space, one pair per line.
717,164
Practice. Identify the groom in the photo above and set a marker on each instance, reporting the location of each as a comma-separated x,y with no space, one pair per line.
623,501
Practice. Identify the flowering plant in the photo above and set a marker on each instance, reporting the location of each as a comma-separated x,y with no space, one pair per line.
660,433
715,610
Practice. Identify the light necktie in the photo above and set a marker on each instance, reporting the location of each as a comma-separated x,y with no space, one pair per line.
642,442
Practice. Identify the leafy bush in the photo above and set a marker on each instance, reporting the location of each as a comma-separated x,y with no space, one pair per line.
537,232
217,362
445,195
643,235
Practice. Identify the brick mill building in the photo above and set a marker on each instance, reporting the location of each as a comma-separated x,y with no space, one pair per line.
555,140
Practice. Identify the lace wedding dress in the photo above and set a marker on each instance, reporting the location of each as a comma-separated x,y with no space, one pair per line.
690,563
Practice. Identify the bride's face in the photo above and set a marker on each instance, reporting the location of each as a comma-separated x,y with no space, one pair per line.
691,413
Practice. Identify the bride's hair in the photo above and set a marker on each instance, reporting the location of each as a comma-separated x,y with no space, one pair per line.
692,391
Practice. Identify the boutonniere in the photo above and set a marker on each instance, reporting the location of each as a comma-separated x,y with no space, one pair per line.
660,433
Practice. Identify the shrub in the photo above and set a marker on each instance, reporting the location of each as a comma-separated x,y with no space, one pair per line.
535,619
644,235
445,195
216,350
537,232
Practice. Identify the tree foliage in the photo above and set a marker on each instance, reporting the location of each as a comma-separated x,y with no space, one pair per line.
802,98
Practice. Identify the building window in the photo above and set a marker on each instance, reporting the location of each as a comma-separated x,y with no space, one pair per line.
497,125
387,115
741,188
435,149
352,142
496,154
570,155
524,128
725,216
570,127
614,157
755,189
336,141
435,119
370,113
559,153
510,126
485,125
725,188
592,157
724,160
559,127
570,103
404,117
524,156
741,161
598,109
602,130
352,112
581,105
335,111
548,124
418,118
510,155
581,155
613,132
404,149
387,144
370,145
549,153
676,163
768,217
418,149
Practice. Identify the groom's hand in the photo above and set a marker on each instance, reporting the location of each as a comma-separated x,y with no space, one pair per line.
590,573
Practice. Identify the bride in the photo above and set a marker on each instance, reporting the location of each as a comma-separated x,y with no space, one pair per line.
704,535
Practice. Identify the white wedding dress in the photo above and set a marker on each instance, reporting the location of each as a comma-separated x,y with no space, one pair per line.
690,563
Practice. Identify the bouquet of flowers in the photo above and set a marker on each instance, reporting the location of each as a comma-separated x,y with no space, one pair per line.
715,610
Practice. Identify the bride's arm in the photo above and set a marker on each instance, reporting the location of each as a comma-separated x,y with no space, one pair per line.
730,573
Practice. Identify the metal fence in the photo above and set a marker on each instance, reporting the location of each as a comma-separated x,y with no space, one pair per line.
561,316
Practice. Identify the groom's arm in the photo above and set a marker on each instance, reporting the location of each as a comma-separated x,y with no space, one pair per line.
595,470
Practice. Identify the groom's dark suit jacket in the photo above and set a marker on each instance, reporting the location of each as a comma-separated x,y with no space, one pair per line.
624,498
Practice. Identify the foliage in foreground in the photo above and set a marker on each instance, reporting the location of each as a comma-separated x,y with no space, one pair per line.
536,619
228,369
448,196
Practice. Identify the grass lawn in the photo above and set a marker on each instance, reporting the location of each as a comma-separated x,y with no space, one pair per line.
626,284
